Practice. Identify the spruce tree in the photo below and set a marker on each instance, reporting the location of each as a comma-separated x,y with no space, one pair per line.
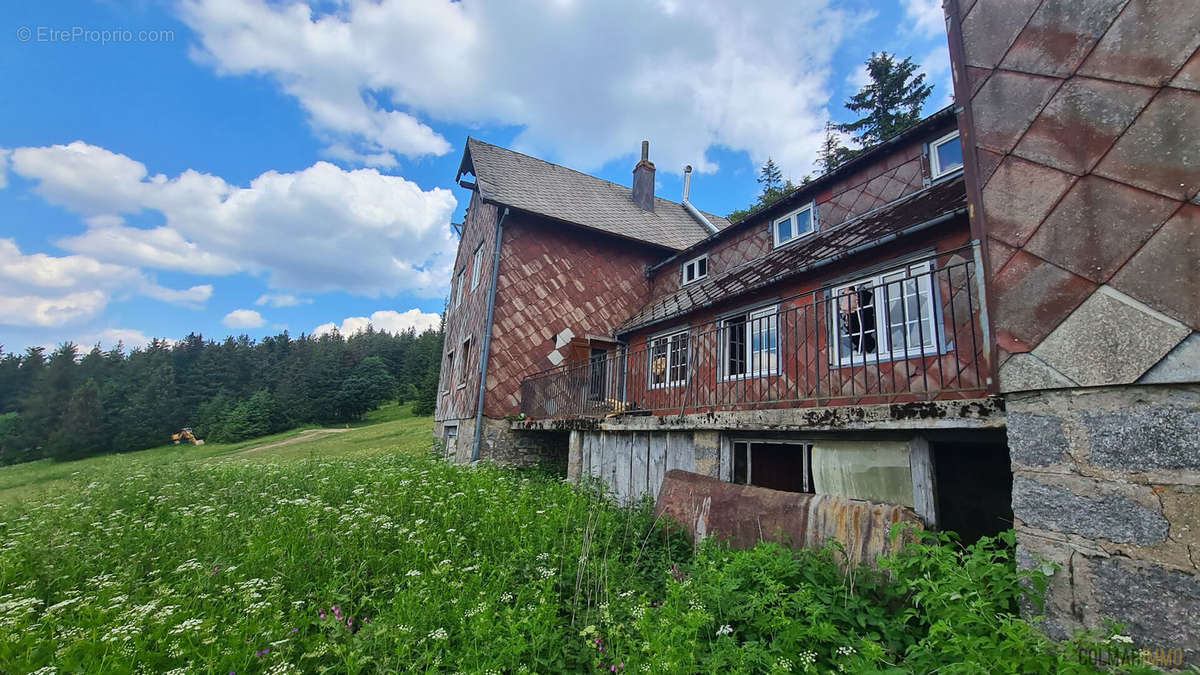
892,99
833,154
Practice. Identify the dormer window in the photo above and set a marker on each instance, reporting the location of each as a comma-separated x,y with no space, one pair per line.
797,224
945,155
694,269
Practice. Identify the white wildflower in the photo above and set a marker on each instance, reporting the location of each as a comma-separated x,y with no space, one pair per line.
725,630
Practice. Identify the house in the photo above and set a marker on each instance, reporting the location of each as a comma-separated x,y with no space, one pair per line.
833,342
989,319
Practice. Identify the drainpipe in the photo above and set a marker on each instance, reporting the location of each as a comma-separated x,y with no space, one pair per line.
687,184
487,335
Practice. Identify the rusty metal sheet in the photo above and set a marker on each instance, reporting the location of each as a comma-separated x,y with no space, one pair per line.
744,515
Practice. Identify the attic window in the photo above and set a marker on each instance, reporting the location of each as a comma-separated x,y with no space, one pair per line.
797,224
945,155
694,269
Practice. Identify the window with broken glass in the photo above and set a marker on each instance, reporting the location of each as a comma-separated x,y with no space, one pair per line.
884,317
668,355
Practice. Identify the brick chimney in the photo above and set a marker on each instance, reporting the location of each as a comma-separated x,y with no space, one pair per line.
643,180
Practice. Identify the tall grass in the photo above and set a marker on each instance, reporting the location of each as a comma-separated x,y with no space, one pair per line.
392,561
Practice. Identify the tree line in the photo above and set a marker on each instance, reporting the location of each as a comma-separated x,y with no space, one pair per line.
69,404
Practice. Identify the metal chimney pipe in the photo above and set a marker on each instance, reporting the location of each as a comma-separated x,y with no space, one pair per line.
687,182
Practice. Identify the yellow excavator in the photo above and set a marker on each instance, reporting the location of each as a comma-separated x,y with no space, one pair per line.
185,434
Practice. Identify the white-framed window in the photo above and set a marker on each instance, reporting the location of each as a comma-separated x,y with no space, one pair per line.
451,374
883,317
750,344
799,223
694,269
667,359
477,266
462,286
462,362
945,155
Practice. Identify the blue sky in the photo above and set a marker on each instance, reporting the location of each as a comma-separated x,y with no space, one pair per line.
239,166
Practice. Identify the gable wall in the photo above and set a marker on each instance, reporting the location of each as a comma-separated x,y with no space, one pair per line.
555,277
458,399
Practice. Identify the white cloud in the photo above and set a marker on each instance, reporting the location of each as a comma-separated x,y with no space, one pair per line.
45,290
281,300
195,296
386,320
318,229
859,77
243,318
936,66
926,16
32,310
584,81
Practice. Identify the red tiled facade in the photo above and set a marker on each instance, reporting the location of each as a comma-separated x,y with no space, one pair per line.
806,375
555,278
1084,122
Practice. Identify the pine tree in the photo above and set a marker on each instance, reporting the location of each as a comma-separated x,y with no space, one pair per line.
774,188
832,153
770,177
892,99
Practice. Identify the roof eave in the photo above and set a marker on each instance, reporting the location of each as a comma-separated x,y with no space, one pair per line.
846,168
623,331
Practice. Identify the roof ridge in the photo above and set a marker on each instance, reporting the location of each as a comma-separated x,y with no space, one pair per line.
578,172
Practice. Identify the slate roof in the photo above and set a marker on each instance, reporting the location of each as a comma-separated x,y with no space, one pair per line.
869,229
537,186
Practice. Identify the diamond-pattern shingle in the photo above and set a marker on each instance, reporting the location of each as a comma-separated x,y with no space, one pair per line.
939,199
546,189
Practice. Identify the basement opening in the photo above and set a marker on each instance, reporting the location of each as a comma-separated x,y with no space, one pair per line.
974,488
778,466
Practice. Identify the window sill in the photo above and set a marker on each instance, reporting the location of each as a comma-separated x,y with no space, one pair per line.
889,358
945,176
749,376
669,385
461,386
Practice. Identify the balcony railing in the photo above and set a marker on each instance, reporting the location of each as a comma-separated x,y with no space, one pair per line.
908,333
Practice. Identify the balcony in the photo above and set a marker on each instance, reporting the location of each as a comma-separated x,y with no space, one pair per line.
914,332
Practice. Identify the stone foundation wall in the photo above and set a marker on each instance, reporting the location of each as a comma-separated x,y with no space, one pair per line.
1107,485
505,445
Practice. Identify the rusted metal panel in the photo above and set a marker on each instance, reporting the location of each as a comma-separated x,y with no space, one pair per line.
744,515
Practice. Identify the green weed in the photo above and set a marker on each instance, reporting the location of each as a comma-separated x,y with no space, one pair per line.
358,552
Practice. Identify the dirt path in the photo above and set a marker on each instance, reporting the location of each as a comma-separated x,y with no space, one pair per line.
303,436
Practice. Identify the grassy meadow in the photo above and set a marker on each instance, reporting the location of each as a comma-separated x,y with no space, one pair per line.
358,552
